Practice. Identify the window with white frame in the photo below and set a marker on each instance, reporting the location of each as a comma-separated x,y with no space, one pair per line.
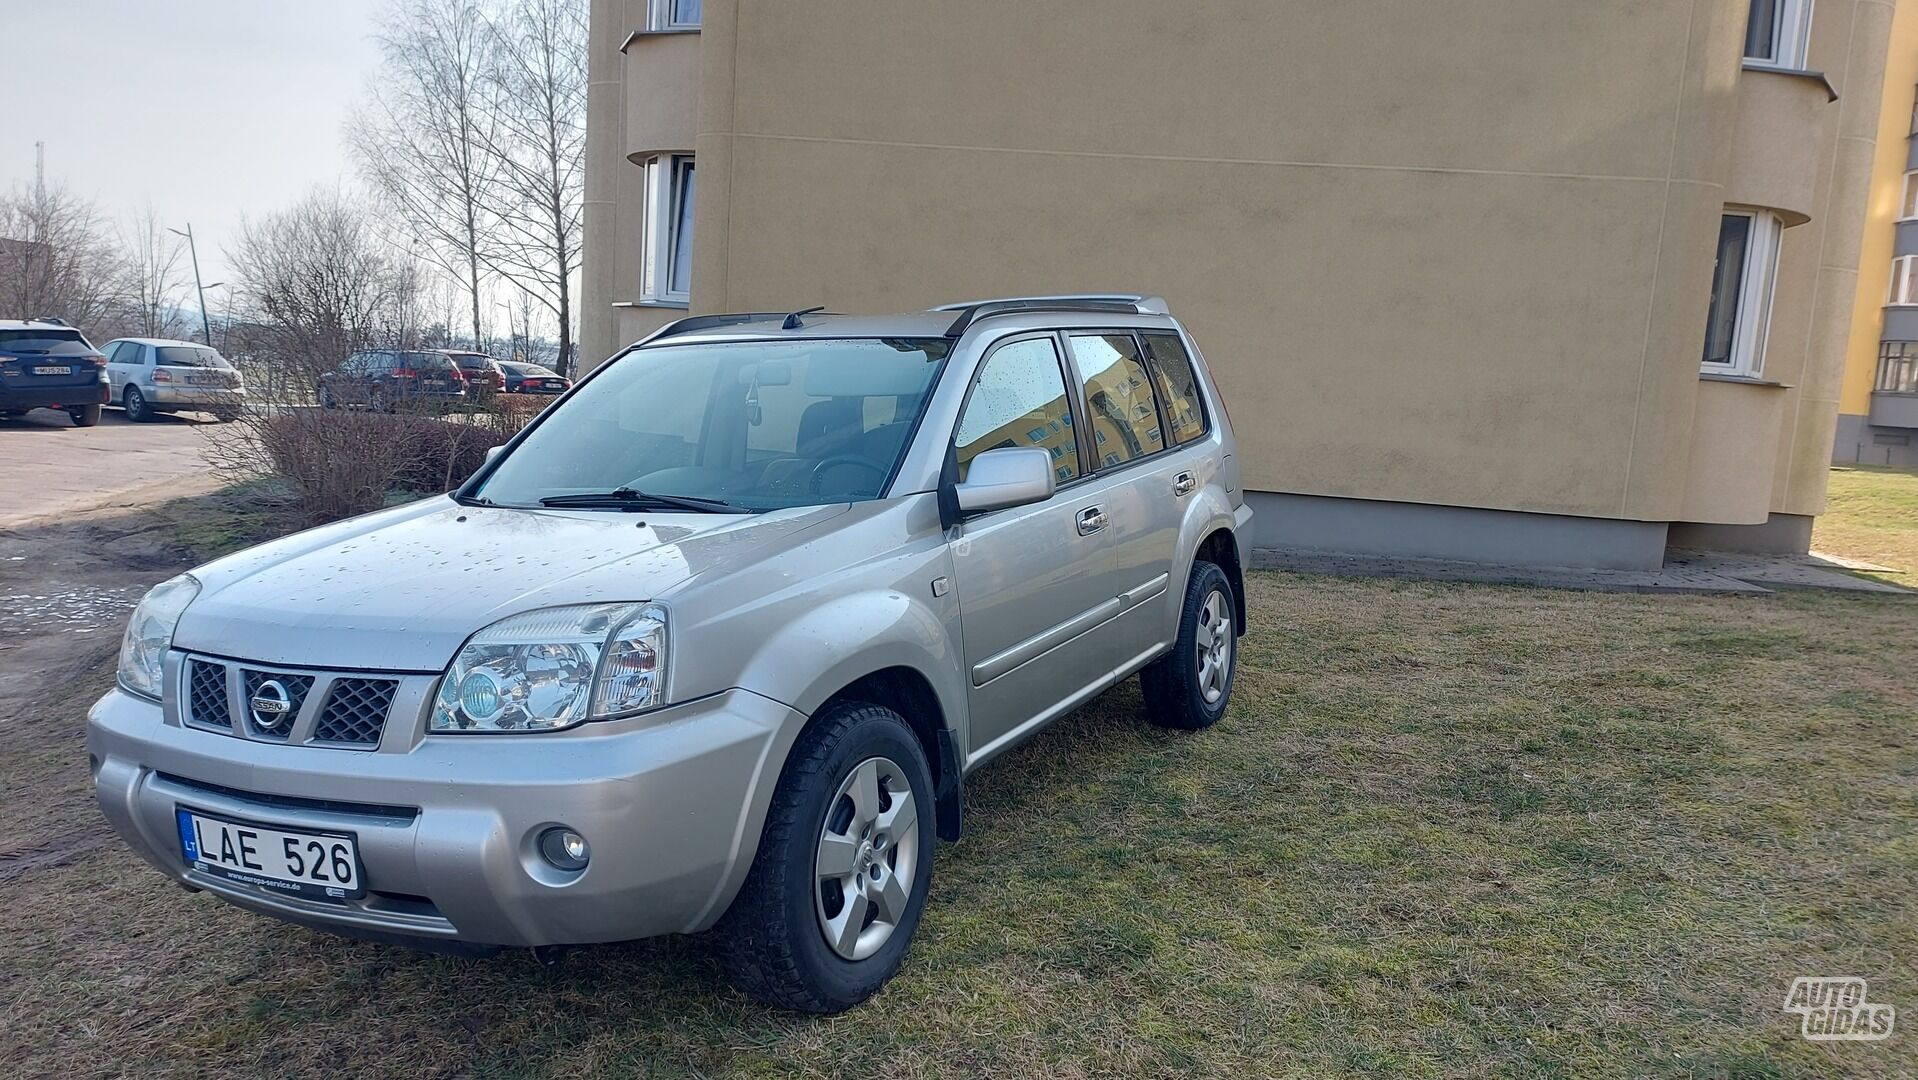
1908,206
673,15
1904,281
1779,32
666,272
1742,285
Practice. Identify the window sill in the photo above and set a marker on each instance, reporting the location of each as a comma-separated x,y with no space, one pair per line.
1747,380
1818,77
674,305
671,31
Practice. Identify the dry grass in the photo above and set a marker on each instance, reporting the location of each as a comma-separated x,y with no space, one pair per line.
1446,831
1873,516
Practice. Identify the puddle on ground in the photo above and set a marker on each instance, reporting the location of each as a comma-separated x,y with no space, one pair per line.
67,610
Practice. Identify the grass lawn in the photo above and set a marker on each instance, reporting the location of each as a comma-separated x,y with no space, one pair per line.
1446,831
1873,516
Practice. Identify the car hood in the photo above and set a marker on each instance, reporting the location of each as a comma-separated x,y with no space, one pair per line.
401,590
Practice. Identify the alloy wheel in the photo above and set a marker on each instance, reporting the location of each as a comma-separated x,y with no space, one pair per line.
867,859
1212,646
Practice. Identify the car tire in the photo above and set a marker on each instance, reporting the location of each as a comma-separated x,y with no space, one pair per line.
325,396
774,938
226,416
136,405
1190,687
85,415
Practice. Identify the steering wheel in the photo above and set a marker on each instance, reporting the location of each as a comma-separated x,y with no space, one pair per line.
836,461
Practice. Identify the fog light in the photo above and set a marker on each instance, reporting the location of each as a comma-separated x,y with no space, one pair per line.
564,848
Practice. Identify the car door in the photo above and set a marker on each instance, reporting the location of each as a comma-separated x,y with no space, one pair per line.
117,353
1032,581
1143,483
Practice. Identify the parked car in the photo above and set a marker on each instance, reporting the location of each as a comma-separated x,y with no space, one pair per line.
483,375
383,379
149,376
533,379
46,364
774,586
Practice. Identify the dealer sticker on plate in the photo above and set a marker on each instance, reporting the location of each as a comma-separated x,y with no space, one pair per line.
315,865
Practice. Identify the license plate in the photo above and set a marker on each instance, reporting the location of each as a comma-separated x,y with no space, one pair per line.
201,380
316,865
53,369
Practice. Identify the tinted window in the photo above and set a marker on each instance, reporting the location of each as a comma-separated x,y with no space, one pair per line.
189,356
49,342
1178,387
1119,401
426,361
1019,399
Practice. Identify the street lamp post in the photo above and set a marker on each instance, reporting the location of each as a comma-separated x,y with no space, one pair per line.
206,325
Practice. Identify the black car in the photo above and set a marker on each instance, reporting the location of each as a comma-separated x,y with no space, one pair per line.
383,379
46,364
533,379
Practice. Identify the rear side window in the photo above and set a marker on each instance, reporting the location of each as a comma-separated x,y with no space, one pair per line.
1019,399
189,356
1178,387
427,361
1120,404
44,342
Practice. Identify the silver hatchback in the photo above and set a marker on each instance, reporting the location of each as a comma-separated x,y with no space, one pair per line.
712,644
149,376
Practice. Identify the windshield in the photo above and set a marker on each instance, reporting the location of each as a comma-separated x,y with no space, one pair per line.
190,356
759,425
51,342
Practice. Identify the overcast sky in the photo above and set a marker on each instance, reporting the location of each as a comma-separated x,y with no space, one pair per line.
210,108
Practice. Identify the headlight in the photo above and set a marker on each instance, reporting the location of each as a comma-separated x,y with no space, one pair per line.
551,669
150,634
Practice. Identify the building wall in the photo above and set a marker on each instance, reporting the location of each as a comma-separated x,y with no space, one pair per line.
1857,439
1442,255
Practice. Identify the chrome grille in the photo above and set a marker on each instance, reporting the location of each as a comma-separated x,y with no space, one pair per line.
297,687
206,695
355,712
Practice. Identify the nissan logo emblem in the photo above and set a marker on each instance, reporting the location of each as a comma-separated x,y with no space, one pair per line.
271,705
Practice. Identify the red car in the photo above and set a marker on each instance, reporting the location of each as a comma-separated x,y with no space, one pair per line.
483,375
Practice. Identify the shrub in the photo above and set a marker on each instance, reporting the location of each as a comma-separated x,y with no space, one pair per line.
339,463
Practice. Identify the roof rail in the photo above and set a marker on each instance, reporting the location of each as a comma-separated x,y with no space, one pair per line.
710,322
49,320
1119,304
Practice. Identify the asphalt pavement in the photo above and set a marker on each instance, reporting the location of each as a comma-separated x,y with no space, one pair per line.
48,466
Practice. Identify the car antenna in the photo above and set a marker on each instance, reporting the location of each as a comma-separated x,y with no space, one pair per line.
795,320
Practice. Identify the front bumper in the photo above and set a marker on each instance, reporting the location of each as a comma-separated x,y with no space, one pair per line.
447,826
207,397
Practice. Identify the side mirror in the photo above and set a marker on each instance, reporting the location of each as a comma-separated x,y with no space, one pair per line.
493,452
1004,478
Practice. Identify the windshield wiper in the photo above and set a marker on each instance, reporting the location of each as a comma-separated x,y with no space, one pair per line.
633,499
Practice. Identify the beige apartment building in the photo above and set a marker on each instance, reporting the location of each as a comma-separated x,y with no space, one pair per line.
1878,404
1533,281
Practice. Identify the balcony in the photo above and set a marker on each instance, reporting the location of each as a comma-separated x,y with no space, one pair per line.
1894,396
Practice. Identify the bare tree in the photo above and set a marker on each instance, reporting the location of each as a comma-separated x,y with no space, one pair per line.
538,82
57,257
154,276
317,282
422,136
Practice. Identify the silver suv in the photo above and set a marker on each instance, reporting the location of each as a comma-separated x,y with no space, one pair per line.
713,643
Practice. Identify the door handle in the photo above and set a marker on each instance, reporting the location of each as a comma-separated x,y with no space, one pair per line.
1184,483
1091,520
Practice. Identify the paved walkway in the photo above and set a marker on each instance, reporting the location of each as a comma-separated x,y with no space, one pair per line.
1684,572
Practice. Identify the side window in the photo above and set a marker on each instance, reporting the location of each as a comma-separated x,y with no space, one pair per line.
1178,387
1119,398
1019,399
120,352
